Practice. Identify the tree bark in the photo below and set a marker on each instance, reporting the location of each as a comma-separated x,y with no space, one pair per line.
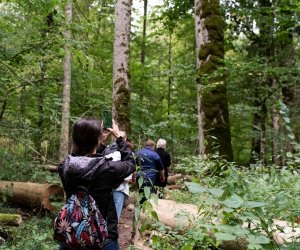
286,53
121,77
31,195
276,145
3,107
65,119
170,78
41,97
143,47
212,102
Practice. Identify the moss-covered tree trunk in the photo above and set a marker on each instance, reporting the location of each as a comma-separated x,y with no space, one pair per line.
65,119
212,103
121,84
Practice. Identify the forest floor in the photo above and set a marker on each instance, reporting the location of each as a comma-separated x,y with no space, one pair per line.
125,228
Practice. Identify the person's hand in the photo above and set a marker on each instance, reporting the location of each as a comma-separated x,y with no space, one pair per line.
162,176
104,137
114,130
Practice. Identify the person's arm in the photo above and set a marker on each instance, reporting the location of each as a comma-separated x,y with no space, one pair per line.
121,169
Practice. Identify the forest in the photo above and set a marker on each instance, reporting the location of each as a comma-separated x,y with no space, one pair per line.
218,80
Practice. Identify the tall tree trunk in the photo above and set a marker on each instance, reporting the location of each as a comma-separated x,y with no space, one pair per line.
41,97
263,133
213,105
121,77
3,107
170,77
286,53
143,47
276,154
198,85
200,120
65,118
258,146
255,144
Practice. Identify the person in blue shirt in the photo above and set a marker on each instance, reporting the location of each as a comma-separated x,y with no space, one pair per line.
151,165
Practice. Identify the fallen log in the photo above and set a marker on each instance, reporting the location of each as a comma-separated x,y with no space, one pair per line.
51,168
10,220
167,211
183,216
31,195
172,179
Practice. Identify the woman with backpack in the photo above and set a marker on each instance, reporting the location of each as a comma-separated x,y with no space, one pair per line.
97,174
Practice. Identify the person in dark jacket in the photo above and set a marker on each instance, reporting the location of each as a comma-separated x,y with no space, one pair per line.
97,173
165,158
151,165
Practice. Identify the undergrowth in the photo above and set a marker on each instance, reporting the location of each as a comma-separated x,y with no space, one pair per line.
14,167
36,233
235,205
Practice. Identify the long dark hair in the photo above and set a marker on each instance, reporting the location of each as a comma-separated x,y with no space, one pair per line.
86,133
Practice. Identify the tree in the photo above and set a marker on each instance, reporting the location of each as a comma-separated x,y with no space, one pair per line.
143,47
212,105
65,119
121,84
268,30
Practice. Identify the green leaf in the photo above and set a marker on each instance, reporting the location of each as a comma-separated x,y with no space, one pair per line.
234,201
253,204
195,187
236,230
154,215
143,227
228,210
155,239
286,119
289,155
140,182
147,192
136,214
187,247
218,192
224,236
254,246
258,239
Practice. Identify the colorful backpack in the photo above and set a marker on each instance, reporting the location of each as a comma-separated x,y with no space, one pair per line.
79,224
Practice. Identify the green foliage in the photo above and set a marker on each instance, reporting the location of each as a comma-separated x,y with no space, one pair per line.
38,230
242,203
19,168
211,165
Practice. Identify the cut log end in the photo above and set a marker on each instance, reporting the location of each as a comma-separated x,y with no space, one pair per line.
52,193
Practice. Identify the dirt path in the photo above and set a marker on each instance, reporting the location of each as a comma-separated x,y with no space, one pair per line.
125,228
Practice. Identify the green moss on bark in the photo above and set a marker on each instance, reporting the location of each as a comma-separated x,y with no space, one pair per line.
213,95
210,8
122,104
